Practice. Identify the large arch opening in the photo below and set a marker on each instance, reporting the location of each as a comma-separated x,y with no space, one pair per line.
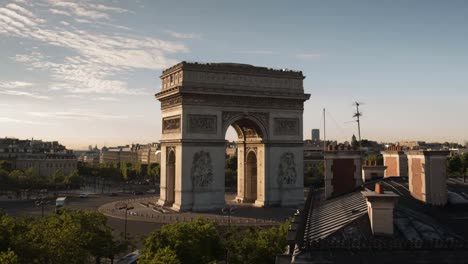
170,171
244,139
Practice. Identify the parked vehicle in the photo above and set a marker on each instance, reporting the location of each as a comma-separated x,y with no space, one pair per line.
84,195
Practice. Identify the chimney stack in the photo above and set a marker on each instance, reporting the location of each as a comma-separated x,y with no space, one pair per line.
428,176
380,205
396,162
342,170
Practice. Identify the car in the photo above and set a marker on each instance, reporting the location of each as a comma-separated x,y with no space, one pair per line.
84,195
137,193
152,191
131,258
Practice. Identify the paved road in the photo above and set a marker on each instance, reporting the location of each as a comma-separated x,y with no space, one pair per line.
136,229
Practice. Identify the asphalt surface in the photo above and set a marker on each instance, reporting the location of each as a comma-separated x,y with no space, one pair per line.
135,229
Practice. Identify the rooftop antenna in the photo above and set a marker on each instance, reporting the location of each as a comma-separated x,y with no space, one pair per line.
324,132
357,115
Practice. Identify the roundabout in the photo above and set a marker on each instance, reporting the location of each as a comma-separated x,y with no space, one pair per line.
145,209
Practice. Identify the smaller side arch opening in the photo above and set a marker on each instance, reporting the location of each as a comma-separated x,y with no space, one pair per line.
170,177
251,177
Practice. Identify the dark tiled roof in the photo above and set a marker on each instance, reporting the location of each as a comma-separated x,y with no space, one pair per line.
333,215
345,217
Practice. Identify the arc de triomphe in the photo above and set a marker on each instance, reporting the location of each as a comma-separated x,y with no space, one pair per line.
265,106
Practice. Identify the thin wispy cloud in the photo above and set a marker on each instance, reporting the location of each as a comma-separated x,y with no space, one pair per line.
22,93
14,84
20,121
110,99
180,35
259,52
309,56
77,115
95,61
85,9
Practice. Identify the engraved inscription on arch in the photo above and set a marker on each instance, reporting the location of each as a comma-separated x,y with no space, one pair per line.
202,124
286,126
171,124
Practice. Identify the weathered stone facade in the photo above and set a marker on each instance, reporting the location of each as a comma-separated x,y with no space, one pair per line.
199,102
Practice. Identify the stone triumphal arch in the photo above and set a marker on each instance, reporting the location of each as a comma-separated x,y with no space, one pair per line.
264,106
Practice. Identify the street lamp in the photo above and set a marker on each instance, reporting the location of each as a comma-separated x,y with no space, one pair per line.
127,207
228,210
41,202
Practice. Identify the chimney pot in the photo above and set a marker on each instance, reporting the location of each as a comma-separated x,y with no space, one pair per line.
380,209
379,188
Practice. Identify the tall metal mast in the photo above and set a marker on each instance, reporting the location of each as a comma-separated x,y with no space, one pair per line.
324,132
357,115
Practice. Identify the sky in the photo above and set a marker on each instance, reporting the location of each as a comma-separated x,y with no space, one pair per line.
85,72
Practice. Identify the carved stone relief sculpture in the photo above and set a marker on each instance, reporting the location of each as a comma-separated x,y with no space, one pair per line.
286,126
171,124
202,169
202,124
287,169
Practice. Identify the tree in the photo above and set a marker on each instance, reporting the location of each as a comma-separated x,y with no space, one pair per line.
231,172
194,242
377,158
57,178
162,256
313,175
464,162
5,165
257,246
8,257
454,165
71,237
73,179
153,172
354,142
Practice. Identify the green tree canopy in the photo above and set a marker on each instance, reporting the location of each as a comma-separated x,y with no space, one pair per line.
464,162
254,246
162,256
378,158
354,142
71,237
5,165
194,242
153,172
8,257
454,165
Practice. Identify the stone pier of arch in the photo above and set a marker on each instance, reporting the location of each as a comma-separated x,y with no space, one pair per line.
265,106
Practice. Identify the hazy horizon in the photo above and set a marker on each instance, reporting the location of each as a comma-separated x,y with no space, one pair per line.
85,73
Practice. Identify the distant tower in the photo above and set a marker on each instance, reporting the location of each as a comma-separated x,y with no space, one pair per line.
316,134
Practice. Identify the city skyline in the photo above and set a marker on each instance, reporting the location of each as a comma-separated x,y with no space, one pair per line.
85,73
